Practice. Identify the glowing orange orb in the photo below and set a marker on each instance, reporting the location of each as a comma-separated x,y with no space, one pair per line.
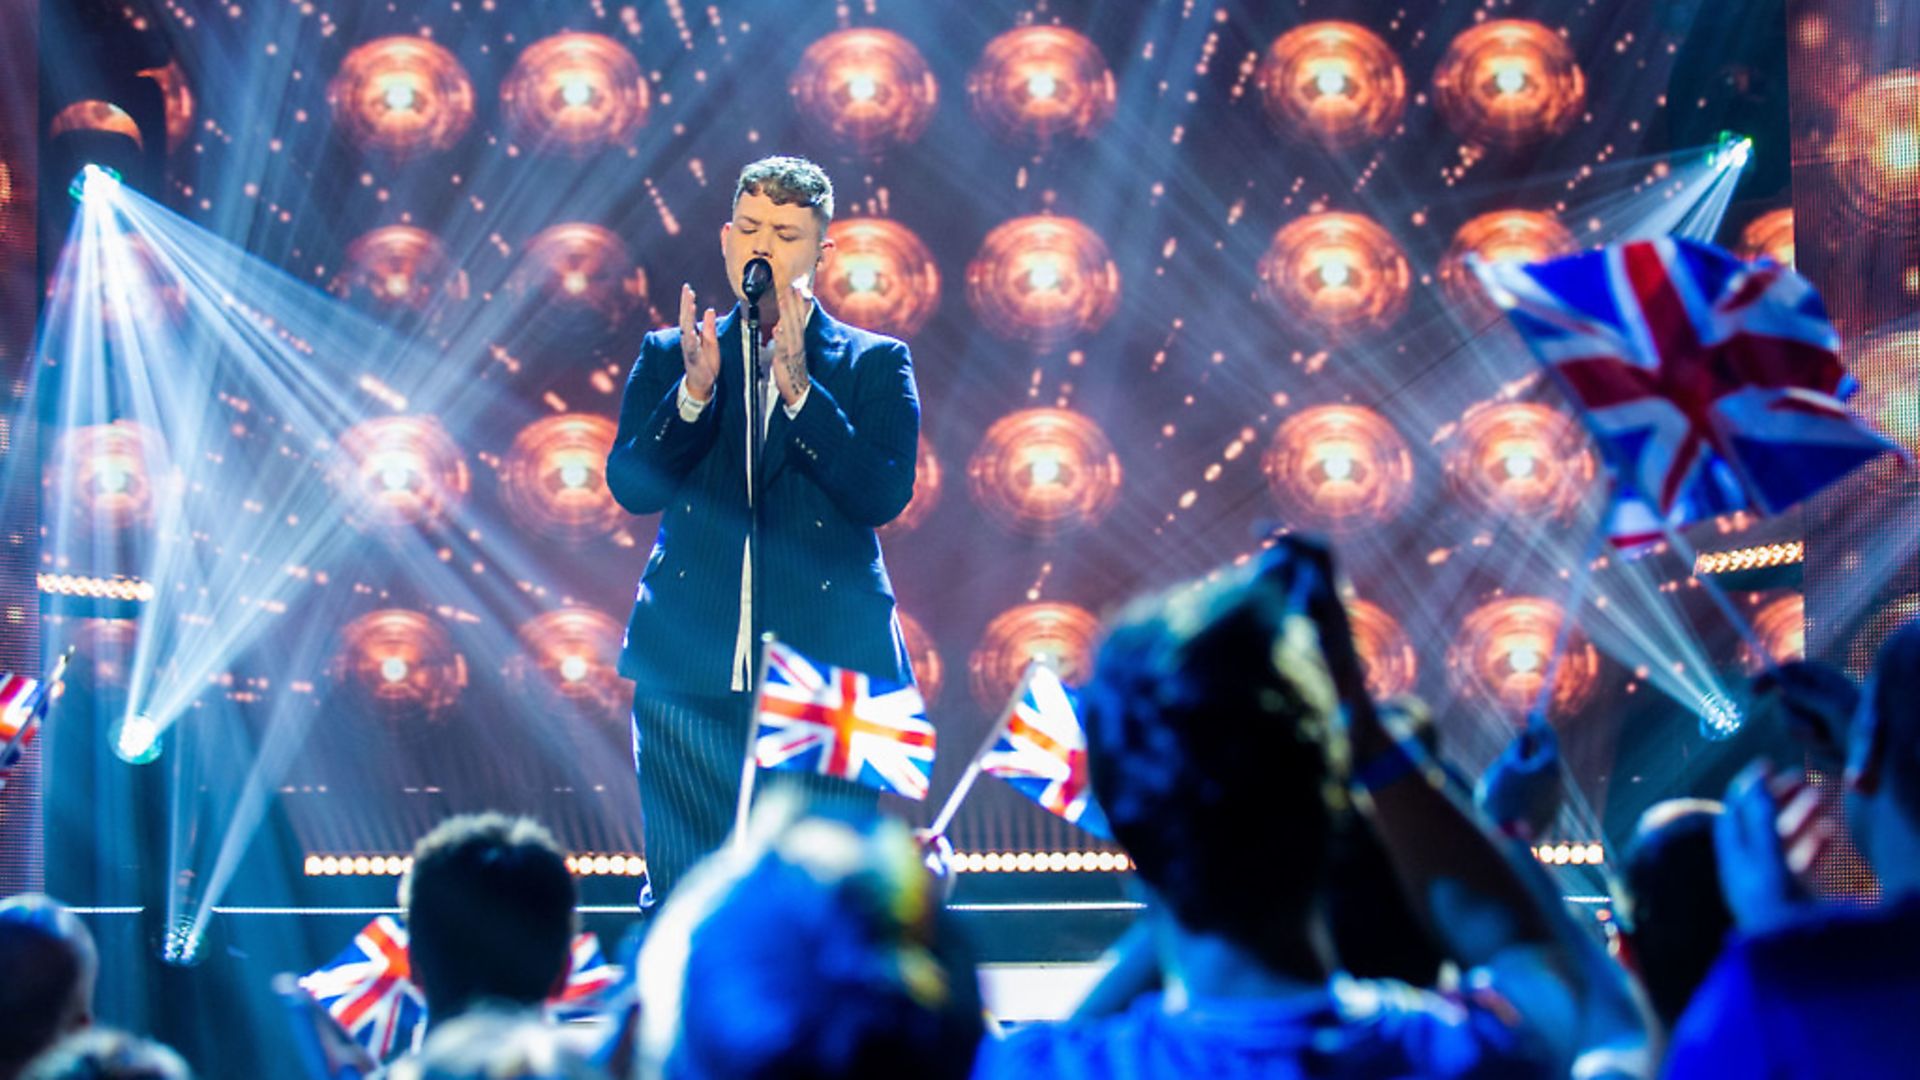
1519,458
401,95
1040,82
567,657
400,470
95,115
1340,271
1335,83
399,266
1771,235
881,277
575,92
107,475
1877,148
1062,634
553,479
1500,236
178,97
1043,280
402,662
866,89
1781,625
1045,472
1509,83
580,267
928,671
1501,655
1386,652
927,480
1339,467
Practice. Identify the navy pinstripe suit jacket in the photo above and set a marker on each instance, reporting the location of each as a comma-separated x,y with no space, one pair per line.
831,475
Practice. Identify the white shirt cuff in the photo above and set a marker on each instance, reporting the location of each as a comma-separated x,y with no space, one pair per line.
690,407
793,410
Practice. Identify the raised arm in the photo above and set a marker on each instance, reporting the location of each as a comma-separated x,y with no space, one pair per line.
665,424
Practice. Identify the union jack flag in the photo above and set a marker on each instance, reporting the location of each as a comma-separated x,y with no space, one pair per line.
1041,750
836,722
1711,384
369,989
23,702
588,980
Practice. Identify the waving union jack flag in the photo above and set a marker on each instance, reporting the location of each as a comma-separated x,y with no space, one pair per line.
815,718
1041,750
588,981
369,989
1711,384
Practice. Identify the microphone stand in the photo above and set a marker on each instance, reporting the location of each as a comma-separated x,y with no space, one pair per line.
756,429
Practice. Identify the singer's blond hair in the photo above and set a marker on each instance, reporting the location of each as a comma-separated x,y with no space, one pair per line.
789,181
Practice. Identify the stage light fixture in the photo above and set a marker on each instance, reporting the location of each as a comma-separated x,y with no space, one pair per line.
1769,235
882,276
1342,272
552,482
95,182
1335,83
1061,634
865,89
929,481
1036,83
577,92
1720,717
1339,467
1498,236
1509,83
1386,652
929,672
1520,458
135,739
1502,652
402,94
1045,472
1043,280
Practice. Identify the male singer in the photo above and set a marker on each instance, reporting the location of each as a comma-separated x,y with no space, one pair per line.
842,421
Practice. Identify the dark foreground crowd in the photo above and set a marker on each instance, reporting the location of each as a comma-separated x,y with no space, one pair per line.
1323,900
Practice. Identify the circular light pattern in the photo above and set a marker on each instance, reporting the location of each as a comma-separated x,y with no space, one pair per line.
553,480
1043,280
581,268
1500,236
107,474
927,480
1877,148
1509,82
1335,83
575,92
1062,634
567,657
1771,235
928,670
881,276
1520,458
402,662
1040,82
400,470
399,266
178,98
95,115
865,89
1339,467
1889,396
1386,653
1501,655
1340,271
401,95
1781,626
1045,472
103,652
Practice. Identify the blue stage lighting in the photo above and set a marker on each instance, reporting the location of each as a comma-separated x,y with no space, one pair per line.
1720,717
94,182
136,739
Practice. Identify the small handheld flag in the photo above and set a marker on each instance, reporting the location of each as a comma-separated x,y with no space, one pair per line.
590,978
1710,384
836,722
1041,750
368,988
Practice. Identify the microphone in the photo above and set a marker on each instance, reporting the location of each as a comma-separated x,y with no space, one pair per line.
756,279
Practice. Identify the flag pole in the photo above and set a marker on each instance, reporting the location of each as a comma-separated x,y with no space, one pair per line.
747,769
959,792
28,726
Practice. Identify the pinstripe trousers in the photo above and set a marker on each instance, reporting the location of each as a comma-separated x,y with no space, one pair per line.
688,752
